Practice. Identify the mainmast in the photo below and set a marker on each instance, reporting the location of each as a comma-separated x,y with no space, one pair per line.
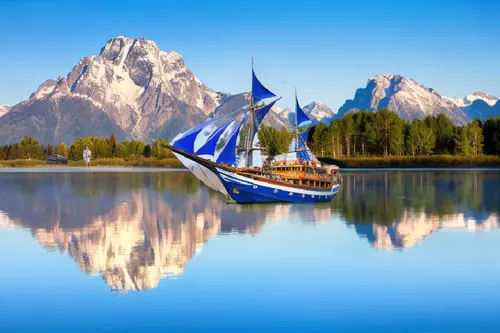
250,134
258,110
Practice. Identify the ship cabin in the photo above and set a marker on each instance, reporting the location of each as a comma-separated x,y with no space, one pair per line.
304,174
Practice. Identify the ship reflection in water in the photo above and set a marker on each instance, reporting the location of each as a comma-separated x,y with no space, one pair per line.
136,228
133,229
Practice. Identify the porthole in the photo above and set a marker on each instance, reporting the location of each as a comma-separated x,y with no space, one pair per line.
236,190
255,187
303,195
290,194
312,196
275,191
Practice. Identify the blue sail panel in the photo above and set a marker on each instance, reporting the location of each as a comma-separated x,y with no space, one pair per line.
303,136
302,150
260,114
258,90
259,117
302,118
209,146
228,153
186,141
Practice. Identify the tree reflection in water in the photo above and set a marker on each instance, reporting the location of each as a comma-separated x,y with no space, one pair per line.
134,228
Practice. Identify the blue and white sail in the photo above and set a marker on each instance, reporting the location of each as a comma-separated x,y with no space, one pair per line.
193,139
228,153
186,140
303,152
301,118
210,145
259,92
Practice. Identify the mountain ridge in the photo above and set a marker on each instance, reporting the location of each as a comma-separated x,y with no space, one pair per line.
136,90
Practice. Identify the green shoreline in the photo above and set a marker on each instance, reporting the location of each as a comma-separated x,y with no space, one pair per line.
432,161
103,162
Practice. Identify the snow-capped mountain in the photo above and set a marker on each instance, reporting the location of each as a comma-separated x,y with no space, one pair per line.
131,88
467,100
4,109
318,111
404,96
478,105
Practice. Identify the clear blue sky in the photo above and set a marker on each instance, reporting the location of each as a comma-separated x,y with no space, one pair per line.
327,49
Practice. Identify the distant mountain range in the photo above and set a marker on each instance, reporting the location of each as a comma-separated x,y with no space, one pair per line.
137,91
411,100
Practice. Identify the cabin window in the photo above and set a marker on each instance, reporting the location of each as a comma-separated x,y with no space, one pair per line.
236,190
255,187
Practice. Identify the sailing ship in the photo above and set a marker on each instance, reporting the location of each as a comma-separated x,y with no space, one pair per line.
225,154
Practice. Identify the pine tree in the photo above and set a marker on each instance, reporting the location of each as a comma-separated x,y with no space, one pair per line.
49,150
61,150
113,145
31,148
147,151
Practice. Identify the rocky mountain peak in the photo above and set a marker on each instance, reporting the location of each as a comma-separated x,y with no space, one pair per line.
318,110
404,96
136,90
469,99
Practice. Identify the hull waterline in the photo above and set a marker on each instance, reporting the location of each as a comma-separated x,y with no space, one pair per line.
242,189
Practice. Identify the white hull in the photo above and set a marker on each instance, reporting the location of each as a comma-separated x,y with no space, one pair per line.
202,173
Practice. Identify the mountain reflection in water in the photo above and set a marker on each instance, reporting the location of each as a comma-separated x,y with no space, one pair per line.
132,228
400,209
136,228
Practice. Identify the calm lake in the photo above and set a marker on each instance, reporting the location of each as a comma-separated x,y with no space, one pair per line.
155,251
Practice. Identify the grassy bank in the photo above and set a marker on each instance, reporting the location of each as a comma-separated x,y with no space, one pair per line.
101,162
357,162
415,161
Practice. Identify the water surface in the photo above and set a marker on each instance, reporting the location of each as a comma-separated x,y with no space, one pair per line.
151,251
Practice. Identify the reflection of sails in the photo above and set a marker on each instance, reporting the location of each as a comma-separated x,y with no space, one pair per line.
414,226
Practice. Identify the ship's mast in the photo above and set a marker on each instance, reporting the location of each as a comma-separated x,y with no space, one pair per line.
296,123
251,128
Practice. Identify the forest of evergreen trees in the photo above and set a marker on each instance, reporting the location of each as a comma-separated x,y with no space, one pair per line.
384,133
29,148
359,134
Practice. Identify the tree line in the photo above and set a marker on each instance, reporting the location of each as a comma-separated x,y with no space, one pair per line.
29,148
357,134
384,133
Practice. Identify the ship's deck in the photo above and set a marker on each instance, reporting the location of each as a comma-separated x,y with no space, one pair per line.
299,174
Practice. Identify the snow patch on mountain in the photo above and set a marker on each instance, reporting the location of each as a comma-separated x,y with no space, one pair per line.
4,109
469,99
318,110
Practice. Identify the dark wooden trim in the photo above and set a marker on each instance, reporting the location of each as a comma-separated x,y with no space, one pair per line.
246,172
